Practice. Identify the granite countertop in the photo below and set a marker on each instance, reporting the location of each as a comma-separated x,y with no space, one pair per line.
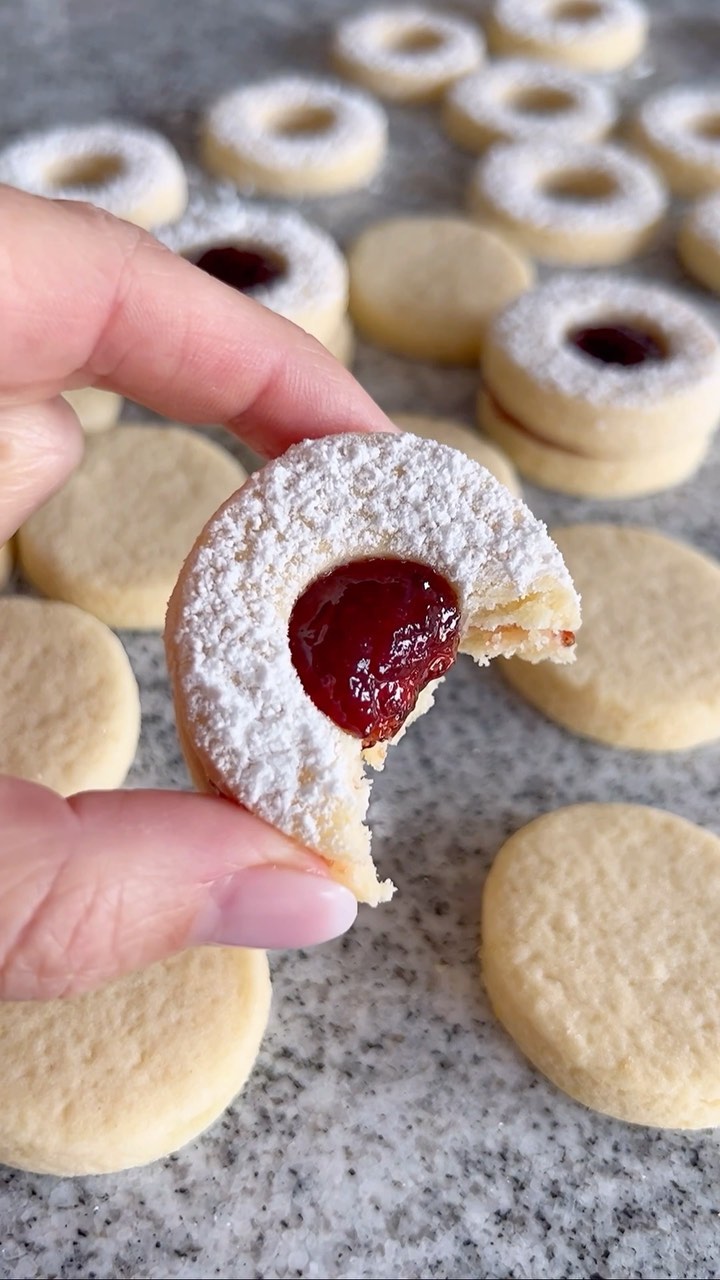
390,1127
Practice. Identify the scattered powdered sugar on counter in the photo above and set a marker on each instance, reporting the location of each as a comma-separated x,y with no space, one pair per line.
517,178
245,120
534,331
323,503
544,20
410,41
315,273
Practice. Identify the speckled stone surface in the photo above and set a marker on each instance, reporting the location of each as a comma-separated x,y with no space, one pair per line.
390,1128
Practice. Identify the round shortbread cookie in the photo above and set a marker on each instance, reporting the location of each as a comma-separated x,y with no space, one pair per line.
699,241
6,563
274,256
131,172
646,676
592,35
70,702
128,1073
113,540
577,204
295,136
550,363
679,129
569,471
96,410
408,53
601,957
458,436
520,100
426,287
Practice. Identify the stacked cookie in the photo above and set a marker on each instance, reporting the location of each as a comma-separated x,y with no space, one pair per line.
601,386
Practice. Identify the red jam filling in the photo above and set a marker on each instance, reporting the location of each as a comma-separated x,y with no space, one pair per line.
617,344
367,637
242,269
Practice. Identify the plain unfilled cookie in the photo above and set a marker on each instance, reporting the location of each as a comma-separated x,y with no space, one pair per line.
70,702
97,410
426,287
468,442
128,1073
601,957
113,540
647,674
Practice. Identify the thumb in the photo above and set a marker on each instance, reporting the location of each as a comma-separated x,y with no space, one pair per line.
106,882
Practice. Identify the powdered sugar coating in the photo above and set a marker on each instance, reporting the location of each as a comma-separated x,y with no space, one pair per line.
543,20
315,276
245,121
534,329
704,220
673,120
147,166
390,41
512,179
322,503
492,99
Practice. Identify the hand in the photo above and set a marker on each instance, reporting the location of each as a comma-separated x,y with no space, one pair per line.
105,882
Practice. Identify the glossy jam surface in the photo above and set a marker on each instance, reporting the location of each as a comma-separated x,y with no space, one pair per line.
617,344
243,269
368,636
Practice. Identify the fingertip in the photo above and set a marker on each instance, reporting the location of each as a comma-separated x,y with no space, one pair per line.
274,907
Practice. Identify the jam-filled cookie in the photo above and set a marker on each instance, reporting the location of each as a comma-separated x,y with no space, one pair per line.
575,204
323,599
295,136
407,53
427,286
274,256
521,100
461,437
601,957
679,129
592,35
590,370
647,676
127,170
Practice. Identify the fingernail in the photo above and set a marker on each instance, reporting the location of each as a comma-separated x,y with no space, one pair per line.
274,907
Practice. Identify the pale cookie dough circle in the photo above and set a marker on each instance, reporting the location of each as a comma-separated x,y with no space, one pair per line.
407,54
601,957
646,675
312,287
70,702
294,136
131,1072
571,203
96,410
519,100
426,287
131,172
246,724
680,131
605,410
592,35
6,563
113,540
567,471
467,441
699,241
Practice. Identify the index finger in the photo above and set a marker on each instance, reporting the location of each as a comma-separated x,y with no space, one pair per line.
88,299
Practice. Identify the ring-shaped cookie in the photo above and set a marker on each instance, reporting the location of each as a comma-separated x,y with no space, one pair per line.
273,255
520,100
407,54
538,374
129,171
294,136
680,131
573,204
592,35
699,241
248,728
